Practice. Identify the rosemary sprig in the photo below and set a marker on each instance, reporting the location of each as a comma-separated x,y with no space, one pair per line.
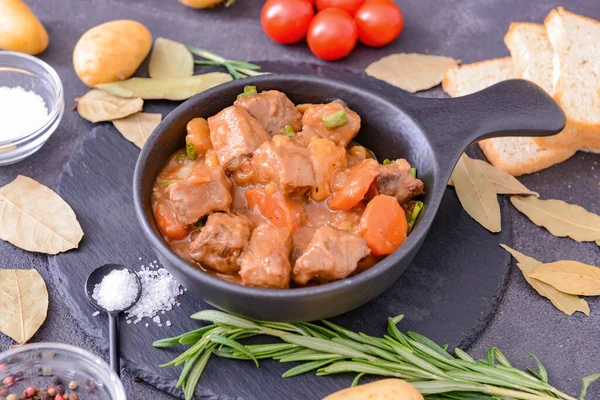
332,349
237,69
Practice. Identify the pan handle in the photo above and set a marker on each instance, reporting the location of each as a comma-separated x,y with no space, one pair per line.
514,107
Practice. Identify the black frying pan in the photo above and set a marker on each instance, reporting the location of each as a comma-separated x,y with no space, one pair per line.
430,133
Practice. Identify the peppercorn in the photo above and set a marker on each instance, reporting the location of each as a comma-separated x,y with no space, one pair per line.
56,380
3,392
30,391
59,397
73,396
73,385
8,381
18,375
60,389
2,367
12,396
52,391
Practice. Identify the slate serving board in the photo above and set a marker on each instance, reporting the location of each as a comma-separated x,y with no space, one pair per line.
449,293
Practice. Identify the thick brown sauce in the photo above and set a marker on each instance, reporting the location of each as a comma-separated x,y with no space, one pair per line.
318,214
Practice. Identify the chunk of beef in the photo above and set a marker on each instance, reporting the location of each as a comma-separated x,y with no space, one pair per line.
284,162
342,135
204,190
332,254
221,242
326,158
395,180
266,262
273,110
234,132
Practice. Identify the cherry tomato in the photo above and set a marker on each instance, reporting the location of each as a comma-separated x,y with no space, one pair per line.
350,6
286,21
379,22
332,34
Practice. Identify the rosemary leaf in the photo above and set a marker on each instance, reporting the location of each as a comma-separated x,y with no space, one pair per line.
357,378
196,373
304,368
234,345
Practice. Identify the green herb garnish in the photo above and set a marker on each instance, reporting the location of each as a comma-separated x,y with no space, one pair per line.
413,172
237,69
335,119
414,214
201,222
288,131
191,152
332,349
387,161
248,91
167,182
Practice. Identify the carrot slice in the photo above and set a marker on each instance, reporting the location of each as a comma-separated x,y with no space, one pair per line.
277,208
167,222
356,185
383,225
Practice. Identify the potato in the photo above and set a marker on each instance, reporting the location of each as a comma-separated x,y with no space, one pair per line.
20,30
111,51
385,389
200,3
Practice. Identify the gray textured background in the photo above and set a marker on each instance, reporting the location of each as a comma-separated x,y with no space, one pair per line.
470,30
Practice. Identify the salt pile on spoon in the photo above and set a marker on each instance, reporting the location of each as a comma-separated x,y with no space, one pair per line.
116,291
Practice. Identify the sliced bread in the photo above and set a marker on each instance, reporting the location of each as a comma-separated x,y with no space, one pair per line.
515,155
575,40
531,53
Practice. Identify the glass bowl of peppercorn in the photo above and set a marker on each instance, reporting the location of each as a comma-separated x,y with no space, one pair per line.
54,371
31,105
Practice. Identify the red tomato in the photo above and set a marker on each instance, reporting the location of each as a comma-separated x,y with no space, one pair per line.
332,34
286,21
350,6
379,22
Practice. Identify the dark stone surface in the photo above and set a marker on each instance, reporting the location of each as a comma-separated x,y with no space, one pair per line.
470,30
431,293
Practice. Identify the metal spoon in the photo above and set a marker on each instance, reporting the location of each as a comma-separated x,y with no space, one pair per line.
113,338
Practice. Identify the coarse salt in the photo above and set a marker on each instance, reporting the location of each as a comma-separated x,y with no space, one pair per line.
159,294
117,290
21,112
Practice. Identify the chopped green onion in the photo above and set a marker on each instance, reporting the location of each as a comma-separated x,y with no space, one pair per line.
414,215
190,151
413,172
288,131
248,91
335,119
387,161
167,182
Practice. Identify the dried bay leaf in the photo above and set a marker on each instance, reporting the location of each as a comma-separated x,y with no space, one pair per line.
503,182
179,88
170,59
137,127
411,71
567,303
476,194
23,303
35,218
98,105
570,277
559,218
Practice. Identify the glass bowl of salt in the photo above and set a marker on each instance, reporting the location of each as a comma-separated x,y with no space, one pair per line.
31,105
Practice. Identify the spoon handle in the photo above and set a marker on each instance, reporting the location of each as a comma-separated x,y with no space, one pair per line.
113,344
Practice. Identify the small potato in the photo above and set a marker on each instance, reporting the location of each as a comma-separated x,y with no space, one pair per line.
20,30
198,135
385,389
200,3
111,51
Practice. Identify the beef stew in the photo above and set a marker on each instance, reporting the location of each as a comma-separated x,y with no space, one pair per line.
270,195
